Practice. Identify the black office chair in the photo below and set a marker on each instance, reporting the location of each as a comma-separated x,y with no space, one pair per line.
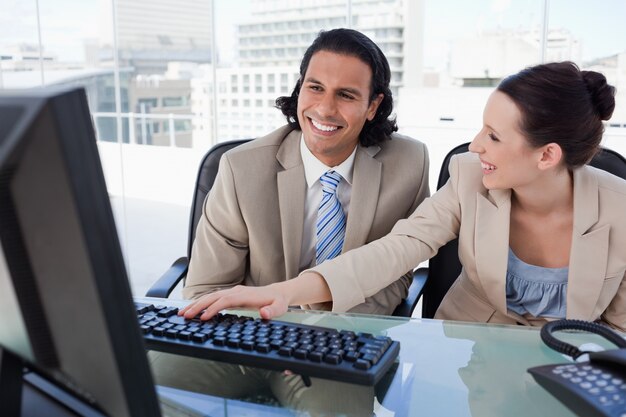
445,267
206,177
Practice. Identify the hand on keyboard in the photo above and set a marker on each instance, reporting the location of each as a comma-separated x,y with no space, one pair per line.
271,303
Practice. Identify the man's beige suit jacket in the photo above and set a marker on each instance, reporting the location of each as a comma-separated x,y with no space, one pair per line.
251,229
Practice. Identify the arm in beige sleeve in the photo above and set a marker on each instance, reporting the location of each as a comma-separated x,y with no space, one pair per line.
364,271
220,249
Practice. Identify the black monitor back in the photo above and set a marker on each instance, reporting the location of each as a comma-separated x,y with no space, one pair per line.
63,267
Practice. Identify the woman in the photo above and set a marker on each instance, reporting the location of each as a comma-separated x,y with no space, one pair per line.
541,235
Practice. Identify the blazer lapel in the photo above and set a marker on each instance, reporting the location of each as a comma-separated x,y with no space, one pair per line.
291,194
590,248
493,213
363,197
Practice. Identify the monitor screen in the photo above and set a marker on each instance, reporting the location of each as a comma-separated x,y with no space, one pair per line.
65,302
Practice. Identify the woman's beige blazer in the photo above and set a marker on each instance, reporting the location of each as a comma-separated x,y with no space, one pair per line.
480,218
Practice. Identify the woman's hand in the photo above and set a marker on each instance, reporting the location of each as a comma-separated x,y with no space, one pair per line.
271,300
268,299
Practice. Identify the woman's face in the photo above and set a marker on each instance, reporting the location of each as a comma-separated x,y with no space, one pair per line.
507,159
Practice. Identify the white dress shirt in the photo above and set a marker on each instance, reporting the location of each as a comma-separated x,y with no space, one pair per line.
313,170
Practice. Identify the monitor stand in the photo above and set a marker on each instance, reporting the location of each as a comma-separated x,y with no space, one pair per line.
11,382
25,393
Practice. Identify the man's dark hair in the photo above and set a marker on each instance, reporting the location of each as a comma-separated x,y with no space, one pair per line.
352,43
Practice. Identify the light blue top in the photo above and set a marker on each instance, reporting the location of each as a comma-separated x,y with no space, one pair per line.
540,291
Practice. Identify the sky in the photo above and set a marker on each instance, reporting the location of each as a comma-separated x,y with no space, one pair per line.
67,23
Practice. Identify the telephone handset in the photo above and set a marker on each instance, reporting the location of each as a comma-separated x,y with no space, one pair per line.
593,388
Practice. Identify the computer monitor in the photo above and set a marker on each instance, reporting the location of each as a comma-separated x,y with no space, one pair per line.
65,302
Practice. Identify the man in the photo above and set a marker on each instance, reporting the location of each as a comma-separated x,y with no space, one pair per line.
259,220
333,179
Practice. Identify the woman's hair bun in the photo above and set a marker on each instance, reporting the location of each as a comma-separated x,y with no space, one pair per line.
602,94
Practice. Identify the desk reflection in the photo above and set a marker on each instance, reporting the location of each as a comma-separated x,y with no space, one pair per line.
496,374
277,389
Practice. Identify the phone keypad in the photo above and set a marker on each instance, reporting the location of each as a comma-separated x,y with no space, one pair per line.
607,389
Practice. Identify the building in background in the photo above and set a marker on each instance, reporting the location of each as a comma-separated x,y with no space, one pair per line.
484,59
151,33
269,48
278,32
172,95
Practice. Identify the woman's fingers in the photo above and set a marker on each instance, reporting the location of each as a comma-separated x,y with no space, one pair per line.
193,309
277,308
267,301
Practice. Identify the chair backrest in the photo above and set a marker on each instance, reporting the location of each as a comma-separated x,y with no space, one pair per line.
206,177
445,267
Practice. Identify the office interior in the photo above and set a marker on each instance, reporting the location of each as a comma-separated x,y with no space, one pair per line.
167,80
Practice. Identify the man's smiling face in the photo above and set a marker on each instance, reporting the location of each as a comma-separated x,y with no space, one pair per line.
333,105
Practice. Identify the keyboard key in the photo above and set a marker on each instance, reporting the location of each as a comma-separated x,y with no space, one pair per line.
233,343
184,335
373,359
285,351
362,364
337,352
167,312
158,331
263,348
247,345
199,337
144,308
332,359
300,353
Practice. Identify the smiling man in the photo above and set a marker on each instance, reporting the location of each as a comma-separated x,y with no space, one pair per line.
334,178
260,220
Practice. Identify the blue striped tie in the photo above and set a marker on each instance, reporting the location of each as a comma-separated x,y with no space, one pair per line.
331,222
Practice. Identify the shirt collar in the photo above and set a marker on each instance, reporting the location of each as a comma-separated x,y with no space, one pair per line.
314,168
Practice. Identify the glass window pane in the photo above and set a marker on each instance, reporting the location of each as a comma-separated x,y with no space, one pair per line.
261,42
19,45
575,35
455,53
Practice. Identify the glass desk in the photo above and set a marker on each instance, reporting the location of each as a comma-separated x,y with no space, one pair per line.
444,369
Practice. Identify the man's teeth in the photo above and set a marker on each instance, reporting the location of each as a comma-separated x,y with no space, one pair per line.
323,127
487,166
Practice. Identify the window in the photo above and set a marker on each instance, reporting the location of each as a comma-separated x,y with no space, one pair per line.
175,101
449,66
179,126
145,104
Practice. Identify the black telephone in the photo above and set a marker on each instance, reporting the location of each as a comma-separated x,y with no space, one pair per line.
593,388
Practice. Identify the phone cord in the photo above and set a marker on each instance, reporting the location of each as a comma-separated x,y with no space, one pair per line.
586,326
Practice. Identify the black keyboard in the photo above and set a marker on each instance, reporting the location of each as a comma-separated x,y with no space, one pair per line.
311,351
